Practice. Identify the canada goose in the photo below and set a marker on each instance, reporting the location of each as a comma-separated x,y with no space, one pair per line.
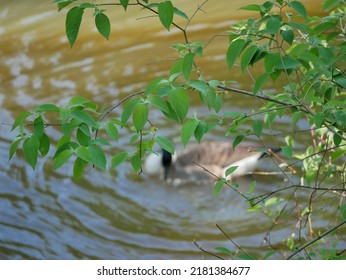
214,156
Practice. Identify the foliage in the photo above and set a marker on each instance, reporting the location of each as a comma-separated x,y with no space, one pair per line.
307,53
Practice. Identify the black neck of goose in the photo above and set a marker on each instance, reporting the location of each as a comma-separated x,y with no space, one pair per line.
166,162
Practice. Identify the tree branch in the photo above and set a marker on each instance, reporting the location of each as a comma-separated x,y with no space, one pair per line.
316,239
240,249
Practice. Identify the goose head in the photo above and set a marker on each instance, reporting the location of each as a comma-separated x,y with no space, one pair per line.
156,163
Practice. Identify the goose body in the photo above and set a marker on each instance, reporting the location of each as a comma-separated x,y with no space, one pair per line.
214,156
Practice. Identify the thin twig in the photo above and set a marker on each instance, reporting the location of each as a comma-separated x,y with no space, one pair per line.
316,153
266,195
120,102
117,4
205,251
316,239
199,8
263,97
117,105
235,244
218,178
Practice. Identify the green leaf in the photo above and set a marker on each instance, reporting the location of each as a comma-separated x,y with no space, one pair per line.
237,141
64,114
310,175
156,84
337,154
38,127
230,170
166,12
63,141
83,135
247,56
287,62
252,7
260,82
19,120
329,3
119,159
213,83
340,116
343,210
300,26
88,5
179,100
112,131
98,157
103,25
77,101
319,118
271,201
273,25
299,8
269,254
187,130
224,250
140,115
30,148
257,128
288,36
128,109
62,158
199,85
124,3
84,117
218,103
187,65
200,130
218,186
296,116
134,138
84,153
78,168
254,208
165,144
158,102
298,50
66,129
270,61
136,162
99,142
14,146
47,108
252,186
44,145
72,24
287,151
63,4
337,138
234,49
180,13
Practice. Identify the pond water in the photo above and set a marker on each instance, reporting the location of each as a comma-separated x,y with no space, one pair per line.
45,214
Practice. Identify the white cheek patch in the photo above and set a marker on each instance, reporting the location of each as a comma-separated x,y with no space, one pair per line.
153,165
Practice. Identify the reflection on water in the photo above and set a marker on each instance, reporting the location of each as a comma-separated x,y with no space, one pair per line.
116,215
